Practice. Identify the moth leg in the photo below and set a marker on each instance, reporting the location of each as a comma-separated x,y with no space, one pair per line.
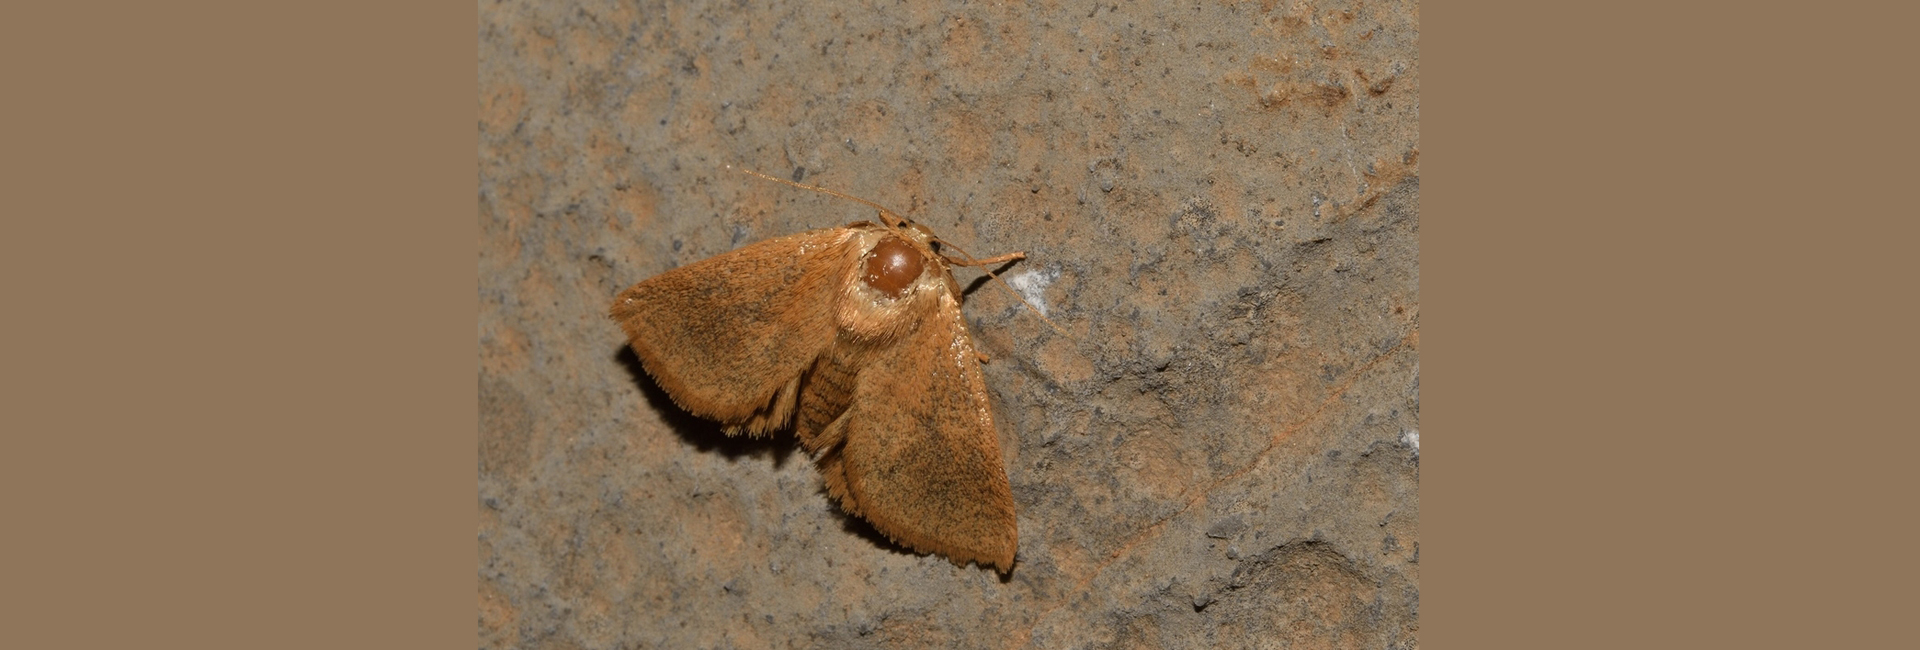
982,355
997,259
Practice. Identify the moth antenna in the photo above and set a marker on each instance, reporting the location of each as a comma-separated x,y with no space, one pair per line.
892,220
971,261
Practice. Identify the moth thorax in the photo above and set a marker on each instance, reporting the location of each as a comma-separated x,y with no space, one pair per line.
892,266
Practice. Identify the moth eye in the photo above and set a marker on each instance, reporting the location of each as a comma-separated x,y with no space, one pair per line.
892,266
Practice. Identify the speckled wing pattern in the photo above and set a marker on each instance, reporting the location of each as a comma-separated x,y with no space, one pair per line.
917,451
728,337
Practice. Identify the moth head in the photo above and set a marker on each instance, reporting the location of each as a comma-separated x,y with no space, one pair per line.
893,265
921,233
893,270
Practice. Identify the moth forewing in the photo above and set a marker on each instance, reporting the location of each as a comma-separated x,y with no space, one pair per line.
725,335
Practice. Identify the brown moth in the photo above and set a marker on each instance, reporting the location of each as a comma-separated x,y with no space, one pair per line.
853,337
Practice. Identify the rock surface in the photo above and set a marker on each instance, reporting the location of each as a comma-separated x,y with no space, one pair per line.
1220,206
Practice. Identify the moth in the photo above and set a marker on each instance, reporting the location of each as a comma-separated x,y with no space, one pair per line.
852,337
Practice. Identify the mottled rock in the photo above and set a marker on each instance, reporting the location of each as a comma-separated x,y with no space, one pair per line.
1220,206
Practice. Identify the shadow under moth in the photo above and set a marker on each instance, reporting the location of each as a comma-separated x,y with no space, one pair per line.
853,337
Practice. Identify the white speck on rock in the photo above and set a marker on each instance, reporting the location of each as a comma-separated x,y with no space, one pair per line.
1032,286
1412,439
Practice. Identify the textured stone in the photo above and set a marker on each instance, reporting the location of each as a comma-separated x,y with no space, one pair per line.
1220,206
